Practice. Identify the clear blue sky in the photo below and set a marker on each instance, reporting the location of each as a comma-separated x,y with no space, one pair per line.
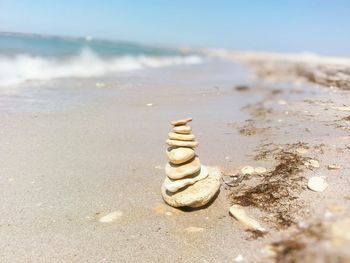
319,26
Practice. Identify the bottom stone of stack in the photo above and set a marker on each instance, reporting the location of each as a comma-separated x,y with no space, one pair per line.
196,195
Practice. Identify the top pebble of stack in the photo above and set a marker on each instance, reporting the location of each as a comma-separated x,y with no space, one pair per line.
181,122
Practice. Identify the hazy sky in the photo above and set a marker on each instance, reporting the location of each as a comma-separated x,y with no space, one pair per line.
282,25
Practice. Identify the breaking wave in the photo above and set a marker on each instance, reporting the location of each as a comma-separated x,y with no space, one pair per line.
23,67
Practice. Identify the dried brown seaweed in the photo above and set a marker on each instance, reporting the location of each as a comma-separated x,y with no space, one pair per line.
276,192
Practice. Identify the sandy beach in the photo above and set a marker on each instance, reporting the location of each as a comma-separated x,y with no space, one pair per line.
74,150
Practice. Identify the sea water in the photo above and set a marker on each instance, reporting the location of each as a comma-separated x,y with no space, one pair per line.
36,57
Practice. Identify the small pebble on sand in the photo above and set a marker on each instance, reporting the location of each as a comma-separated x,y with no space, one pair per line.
194,229
109,218
317,184
247,170
333,167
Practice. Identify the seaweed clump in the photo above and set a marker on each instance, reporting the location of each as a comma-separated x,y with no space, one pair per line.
275,192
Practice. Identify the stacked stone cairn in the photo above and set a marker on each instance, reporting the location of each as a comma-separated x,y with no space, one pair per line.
188,182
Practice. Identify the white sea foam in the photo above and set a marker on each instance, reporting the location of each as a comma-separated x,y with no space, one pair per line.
18,69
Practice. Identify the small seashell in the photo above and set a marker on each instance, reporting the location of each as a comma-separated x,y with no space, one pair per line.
239,213
109,218
260,170
317,184
247,170
333,167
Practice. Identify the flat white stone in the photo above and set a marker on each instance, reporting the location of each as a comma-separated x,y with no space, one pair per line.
317,184
183,129
181,137
177,143
109,218
180,171
239,213
198,194
333,167
175,185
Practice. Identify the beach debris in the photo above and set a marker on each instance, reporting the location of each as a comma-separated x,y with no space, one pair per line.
247,170
276,193
333,167
188,182
239,213
301,150
109,218
317,183
239,258
344,108
194,229
260,170
149,104
313,163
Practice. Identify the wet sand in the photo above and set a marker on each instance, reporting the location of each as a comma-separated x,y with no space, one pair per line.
72,152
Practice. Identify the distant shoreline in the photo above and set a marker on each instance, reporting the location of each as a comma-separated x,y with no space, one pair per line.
322,70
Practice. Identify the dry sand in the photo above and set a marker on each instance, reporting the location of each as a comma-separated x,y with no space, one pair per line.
71,153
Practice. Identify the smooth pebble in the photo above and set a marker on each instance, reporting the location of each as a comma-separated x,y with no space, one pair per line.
317,184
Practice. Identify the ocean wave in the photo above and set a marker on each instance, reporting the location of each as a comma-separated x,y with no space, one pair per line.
20,68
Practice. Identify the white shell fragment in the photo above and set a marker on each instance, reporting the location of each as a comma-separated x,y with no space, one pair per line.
247,170
312,163
317,184
260,170
239,213
109,218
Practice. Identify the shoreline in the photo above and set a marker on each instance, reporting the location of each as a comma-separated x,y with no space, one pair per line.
279,67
